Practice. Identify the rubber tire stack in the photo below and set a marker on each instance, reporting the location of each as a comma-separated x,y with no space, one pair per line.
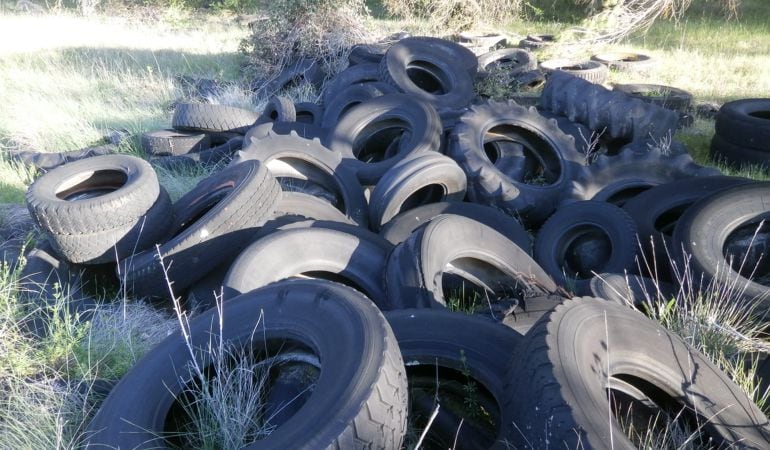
742,135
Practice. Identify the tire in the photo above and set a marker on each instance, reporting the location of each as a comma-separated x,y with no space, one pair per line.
656,212
477,253
279,109
306,206
486,40
590,71
309,113
745,123
584,238
304,165
664,96
305,70
209,158
365,135
350,97
352,259
545,150
537,41
631,290
617,179
110,246
323,317
216,219
93,195
737,157
625,61
511,60
403,225
212,118
172,142
561,378
528,311
424,70
268,129
448,348
453,51
703,233
418,179
353,75
362,54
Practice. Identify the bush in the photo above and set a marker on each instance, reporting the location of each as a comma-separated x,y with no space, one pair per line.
452,13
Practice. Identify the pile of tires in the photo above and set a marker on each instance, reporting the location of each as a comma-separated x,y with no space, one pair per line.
742,133
335,243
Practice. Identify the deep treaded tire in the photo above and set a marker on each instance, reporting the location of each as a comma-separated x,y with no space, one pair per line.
559,379
491,178
93,195
215,118
173,142
213,221
341,327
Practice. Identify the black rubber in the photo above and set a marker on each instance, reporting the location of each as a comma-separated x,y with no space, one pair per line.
664,96
511,60
736,156
522,317
173,142
279,109
424,69
92,195
304,70
745,123
586,237
702,235
357,260
561,372
617,179
362,54
213,118
336,324
309,113
657,210
418,179
457,245
591,71
376,134
305,165
625,61
209,158
301,129
432,341
537,41
112,245
213,221
403,225
350,96
508,178
305,206
353,75
453,51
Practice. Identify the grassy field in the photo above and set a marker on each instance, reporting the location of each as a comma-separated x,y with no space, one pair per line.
67,81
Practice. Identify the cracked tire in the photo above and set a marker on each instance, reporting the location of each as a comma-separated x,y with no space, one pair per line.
344,330
560,378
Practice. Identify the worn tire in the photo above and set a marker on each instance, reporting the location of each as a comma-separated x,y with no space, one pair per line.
586,237
418,179
344,330
173,142
664,96
559,378
511,60
475,251
591,71
736,156
631,290
279,109
625,61
214,220
745,123
351,96
212,118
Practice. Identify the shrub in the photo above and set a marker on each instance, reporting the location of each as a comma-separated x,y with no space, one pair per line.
455,15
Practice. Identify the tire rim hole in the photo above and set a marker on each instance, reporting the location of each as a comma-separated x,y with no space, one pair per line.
381,141
269,383
432,193
666,222
308,187
201,207
647,414
91,184
746,250
524,155
585,249
428,77
469,284
300,175
760,114
459,395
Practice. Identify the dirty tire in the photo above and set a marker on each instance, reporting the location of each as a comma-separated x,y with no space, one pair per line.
631,290
667,97
216,219
93,195
309,113
493,179
560,374
352,259
212,118
418,179
344,329
703,234
173,142
586,237
433,340
353,75
279,109
511,60
591,71
625,61
476,252
351,96
745,123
